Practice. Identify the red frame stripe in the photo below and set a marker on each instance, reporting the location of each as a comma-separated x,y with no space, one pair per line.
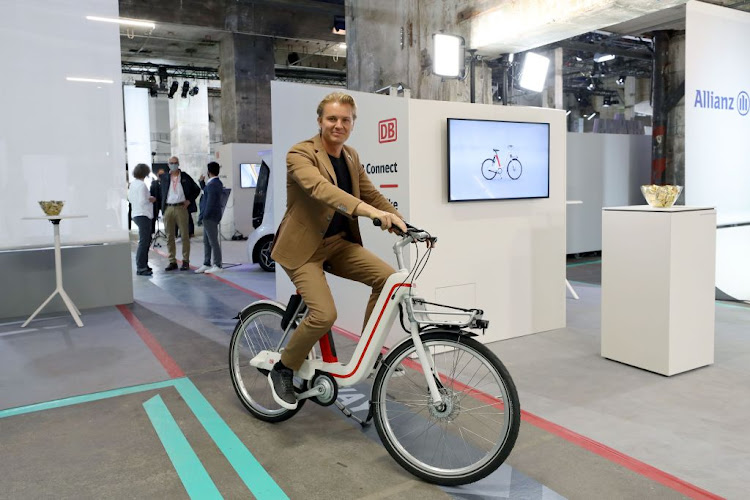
369,339
169,364
389,185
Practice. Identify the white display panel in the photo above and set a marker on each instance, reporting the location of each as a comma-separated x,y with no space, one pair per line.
61,139
497,160
717,125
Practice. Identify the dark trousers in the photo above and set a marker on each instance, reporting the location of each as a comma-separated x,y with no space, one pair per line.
211,243
144,241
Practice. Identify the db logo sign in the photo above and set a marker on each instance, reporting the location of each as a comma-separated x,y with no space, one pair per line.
387,130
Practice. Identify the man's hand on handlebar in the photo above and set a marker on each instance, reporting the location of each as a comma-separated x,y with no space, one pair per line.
391,222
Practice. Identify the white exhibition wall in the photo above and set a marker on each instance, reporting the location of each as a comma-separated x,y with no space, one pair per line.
60,139
717,127
137,127
506,257
603,170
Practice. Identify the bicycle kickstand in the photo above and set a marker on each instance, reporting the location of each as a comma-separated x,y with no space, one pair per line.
346,411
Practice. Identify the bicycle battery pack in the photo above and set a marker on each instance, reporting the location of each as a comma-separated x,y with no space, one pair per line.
291,310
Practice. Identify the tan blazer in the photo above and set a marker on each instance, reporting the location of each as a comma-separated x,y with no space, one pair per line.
312,198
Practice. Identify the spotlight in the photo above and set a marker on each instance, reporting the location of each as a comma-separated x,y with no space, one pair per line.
172,89
606,102
591,85
603,57
339,25
185,89
620,80
449,55
193,91
534,72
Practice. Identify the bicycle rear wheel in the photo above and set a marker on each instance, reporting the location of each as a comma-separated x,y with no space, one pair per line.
489,171
259,330
468,438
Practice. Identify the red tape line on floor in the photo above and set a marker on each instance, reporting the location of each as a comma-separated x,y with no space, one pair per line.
169,364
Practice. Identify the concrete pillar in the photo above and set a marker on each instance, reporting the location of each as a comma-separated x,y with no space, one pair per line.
675,75
246,70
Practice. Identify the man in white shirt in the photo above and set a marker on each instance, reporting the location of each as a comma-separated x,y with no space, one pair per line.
178,193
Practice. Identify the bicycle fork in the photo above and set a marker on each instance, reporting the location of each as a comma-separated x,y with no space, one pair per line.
428,365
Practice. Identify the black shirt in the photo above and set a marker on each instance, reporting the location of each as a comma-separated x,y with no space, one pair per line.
340,221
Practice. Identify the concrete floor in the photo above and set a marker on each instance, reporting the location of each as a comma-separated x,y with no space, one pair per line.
592,428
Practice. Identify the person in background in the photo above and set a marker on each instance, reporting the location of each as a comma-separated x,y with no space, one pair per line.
154,190
143,211
178,194
210,216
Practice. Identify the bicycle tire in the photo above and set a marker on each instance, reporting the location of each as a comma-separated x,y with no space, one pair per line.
487,169
514,171
401,364
260,328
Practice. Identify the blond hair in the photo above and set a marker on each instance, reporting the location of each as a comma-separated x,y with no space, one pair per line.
339,97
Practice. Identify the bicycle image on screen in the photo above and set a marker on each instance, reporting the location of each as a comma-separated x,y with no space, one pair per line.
492,167
443,404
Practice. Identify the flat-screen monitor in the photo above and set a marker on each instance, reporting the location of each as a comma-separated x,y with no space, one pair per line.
497,160
249,174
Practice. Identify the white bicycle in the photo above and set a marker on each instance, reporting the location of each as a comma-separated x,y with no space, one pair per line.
444,406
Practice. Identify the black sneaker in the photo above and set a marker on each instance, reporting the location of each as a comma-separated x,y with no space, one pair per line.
171,267
282,387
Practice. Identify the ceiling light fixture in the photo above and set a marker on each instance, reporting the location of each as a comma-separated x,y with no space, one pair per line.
185,89
173,89
591,116
339,25
534,72
87,80
126,22
603,57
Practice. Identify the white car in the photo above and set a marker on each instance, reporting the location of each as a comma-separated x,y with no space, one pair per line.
260,240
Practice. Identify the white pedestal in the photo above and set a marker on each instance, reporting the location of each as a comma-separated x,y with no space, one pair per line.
658,276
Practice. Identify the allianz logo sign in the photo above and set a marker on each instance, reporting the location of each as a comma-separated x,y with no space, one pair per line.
707,99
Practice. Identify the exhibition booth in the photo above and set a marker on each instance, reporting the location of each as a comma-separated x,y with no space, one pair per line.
501,242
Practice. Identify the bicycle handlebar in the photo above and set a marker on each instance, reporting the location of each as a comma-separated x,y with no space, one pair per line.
412,232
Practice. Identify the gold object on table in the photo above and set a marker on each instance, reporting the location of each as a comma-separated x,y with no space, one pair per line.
51,207
661,196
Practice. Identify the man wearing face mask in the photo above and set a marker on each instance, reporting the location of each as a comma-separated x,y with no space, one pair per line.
178,194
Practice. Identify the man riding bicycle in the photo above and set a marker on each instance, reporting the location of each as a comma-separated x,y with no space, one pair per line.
327,189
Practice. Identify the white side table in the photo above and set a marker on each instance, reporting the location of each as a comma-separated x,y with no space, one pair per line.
658,279
55,220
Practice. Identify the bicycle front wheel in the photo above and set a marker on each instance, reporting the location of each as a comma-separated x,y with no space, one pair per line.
514,169
260,330
467,437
